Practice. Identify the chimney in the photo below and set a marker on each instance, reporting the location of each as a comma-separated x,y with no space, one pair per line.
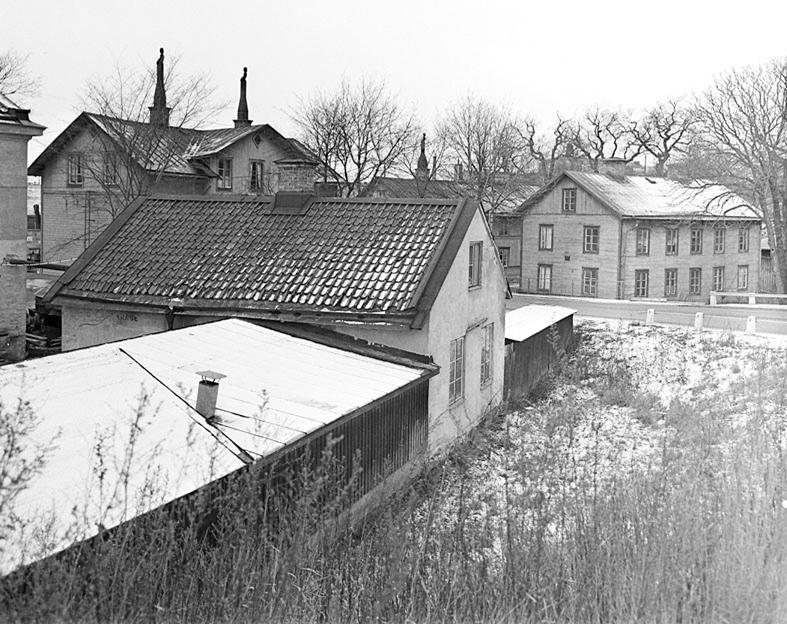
459,175
207,393
422,171
615,167
159,112
243,120
296,175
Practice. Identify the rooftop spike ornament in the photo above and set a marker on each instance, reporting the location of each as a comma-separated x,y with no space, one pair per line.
243,107
159,112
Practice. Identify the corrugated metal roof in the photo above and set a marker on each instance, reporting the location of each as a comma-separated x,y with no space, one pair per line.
641,196
89,402
339,255
528,320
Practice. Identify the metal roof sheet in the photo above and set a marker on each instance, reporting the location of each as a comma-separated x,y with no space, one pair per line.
89,403
528,320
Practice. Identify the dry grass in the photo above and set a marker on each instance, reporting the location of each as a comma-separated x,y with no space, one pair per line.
646,484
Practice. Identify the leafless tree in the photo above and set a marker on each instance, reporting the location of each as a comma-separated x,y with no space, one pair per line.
548,150
742,121
487,141
15,79
603,133
358,132
664,131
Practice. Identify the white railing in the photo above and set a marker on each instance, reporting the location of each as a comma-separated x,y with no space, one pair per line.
717,296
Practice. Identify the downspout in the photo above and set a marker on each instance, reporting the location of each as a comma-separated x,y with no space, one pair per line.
620,289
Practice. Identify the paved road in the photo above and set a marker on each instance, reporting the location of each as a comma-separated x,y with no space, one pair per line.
770,319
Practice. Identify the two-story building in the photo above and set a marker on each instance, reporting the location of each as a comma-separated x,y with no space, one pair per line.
616,236
420,275
100,163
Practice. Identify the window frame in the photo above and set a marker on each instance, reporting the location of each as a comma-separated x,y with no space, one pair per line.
547,268
591,239
110,168
642,241
546,228
487,347
504,253
719,239
667,247
743,239
568,201
475,257
639,273
456,371
671,273
743,269
75,171
224,169
260,180
590,278
717,284
695,236
695,271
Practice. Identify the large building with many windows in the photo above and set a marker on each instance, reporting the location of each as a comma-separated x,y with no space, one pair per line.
615,236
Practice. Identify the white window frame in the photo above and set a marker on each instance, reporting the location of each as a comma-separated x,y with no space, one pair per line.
590,281
456,371
743,277
257,181
718,278
591,235
695,285
719,239
695,241
743,239
544,278
224,169
672,238
643,241
569,200
671,282
641,289
546,237
487,346
475,254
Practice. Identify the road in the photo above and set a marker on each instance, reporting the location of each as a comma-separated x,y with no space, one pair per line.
770,319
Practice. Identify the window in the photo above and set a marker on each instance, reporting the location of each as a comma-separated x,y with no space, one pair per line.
590,239
643,241
641,282
545,277
505,255
570,200
456,371
75,176
671,248
590,282
486,353
502,226
110,169
695,241
743,277
695,281
718,278
743,240
475,265
225,174
545,233
256,172
719,236
670,282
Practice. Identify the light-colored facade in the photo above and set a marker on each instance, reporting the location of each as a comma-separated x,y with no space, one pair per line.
16,129
579,238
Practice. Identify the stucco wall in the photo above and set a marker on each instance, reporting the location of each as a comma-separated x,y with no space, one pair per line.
508,234
567,257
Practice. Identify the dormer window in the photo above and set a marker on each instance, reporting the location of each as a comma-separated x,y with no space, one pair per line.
224,183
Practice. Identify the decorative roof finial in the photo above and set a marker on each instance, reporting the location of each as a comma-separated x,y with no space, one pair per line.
159,113
243,107
423,164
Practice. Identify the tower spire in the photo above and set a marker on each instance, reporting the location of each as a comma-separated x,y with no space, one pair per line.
243,107
423,165
159,112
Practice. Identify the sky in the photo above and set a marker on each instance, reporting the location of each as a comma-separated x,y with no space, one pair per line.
537,58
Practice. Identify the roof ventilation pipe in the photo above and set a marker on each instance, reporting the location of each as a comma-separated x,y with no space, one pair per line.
207,393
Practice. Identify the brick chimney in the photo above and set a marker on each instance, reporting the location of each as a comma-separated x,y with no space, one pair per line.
615,167
16,129
159,112
296,175
243,120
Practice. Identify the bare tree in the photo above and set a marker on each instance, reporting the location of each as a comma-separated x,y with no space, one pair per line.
357,132
603,133
742,122
664,132
132,154
15,79
548,150
487,141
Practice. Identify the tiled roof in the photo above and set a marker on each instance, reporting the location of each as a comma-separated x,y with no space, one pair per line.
369,256
174,150
647,197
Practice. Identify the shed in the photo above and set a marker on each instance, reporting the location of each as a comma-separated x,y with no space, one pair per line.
123,432
534,335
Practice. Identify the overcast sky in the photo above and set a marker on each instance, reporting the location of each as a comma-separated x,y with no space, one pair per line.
539,57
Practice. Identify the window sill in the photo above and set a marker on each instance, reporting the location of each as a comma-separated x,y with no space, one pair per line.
474,287
456,402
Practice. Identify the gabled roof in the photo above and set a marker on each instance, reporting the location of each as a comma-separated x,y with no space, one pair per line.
410,187
173,150
648,197
281,385
378,258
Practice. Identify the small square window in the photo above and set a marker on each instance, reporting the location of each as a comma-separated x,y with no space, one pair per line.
474,276
570,200
590,238
545,237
